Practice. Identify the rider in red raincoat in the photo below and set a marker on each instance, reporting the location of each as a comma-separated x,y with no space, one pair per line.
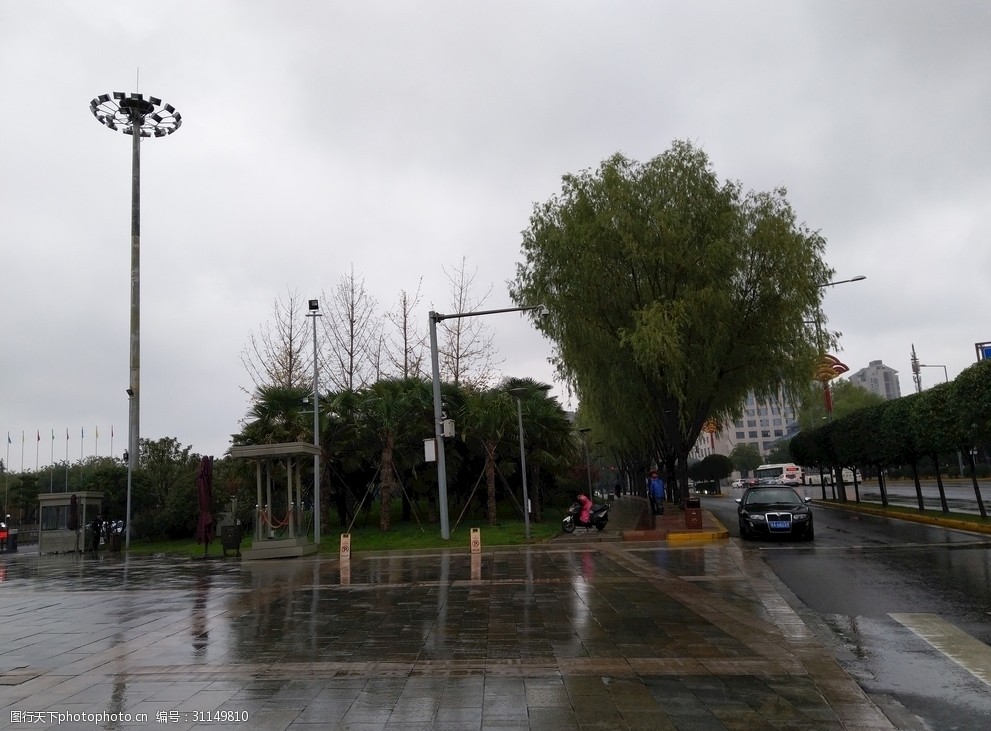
586,508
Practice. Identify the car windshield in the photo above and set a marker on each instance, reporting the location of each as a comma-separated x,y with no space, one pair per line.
772,496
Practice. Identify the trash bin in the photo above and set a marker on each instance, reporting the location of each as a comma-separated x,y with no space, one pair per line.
693,512
230,539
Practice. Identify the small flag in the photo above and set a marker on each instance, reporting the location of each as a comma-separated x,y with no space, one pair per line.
82,434
111,431
97,432
39,434
67,434
8,438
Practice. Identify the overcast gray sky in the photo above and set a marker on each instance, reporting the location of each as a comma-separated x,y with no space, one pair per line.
399,137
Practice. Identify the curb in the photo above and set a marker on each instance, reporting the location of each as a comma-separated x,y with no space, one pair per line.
926,519
678,536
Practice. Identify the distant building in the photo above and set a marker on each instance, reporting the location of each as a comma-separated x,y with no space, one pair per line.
878,379
762,424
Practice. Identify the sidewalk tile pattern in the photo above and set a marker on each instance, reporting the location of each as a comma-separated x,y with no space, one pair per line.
565,635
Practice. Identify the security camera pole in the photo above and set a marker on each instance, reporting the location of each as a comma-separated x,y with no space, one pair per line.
135,115
435,317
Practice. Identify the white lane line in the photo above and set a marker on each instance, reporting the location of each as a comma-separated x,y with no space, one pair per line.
968,652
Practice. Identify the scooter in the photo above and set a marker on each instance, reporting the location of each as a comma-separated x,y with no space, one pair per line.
597,518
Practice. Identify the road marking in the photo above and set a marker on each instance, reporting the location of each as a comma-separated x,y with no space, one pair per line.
819,547
968,652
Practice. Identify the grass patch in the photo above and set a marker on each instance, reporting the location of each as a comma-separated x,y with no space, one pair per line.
367,537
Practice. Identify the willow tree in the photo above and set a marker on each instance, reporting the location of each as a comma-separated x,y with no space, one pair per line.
672,295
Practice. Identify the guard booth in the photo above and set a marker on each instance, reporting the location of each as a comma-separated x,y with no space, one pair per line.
54,535
281,525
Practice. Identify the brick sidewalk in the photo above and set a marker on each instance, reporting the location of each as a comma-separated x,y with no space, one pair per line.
611,635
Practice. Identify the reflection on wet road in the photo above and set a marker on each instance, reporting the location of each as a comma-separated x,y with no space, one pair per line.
903,607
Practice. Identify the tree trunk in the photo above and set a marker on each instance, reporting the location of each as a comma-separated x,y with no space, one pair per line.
490,482
918,485
977,488
939,485
388,478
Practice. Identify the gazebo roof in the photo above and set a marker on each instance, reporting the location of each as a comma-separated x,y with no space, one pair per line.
274,451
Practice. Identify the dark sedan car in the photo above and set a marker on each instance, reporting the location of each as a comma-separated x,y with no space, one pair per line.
774,510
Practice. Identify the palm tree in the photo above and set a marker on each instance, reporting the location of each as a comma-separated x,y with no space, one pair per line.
277,414
548,437
391,416
489,416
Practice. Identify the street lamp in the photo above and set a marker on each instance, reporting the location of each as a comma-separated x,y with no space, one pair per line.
832,362
435,317
858,278
135,115
314,312
517,392
588,465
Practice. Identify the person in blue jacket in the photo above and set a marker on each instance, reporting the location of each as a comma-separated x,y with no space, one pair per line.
655,489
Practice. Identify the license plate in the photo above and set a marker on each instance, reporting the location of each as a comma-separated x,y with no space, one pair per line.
778,524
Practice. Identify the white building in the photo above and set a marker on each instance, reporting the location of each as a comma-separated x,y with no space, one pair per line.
762,424
878,379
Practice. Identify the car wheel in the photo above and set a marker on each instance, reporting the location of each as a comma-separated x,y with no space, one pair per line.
810,533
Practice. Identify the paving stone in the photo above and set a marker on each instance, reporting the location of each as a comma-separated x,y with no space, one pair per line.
571,634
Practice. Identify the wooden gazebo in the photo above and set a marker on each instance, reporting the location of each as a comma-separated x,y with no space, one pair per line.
285,535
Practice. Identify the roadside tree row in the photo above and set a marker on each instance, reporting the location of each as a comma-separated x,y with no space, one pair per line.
940,422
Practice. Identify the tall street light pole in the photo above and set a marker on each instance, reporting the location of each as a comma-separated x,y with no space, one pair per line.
519,392
314,312
827,396
135,115
435,317
526,494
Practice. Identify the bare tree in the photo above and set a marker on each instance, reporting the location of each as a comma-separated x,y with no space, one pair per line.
466,352
352,327
407,343
277,354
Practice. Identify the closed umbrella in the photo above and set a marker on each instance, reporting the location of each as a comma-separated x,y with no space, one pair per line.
73,522
205,530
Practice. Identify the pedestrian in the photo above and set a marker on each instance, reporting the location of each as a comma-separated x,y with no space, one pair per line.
96,528
619,490
655,489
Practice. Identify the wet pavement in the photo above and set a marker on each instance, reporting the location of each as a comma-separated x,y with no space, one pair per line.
571,634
